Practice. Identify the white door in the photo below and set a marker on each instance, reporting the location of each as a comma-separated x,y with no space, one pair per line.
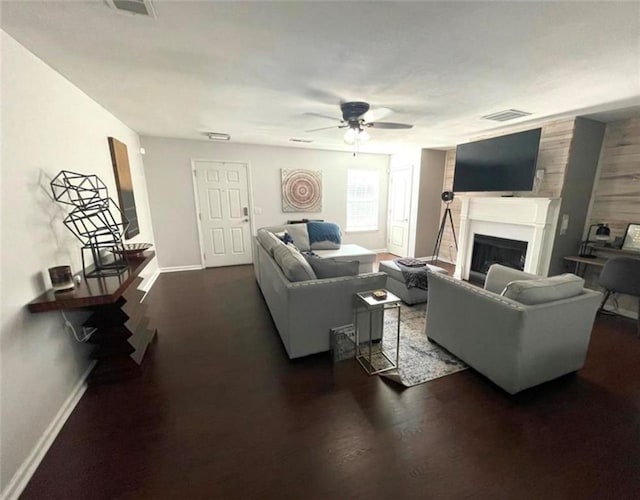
223,212
399,210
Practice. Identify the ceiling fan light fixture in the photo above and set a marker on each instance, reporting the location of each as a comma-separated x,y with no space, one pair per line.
350,136
356,135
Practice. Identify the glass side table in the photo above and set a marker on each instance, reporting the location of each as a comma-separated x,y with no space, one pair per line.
375,360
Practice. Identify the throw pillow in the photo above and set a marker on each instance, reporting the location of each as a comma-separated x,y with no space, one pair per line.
293,264
300,236
268,240
324,235
540,291
285,237
329,268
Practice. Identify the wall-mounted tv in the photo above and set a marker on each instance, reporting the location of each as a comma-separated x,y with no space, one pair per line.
506,163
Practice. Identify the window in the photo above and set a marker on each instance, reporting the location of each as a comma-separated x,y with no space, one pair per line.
362,200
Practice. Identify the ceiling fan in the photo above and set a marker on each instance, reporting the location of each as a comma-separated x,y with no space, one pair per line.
356,117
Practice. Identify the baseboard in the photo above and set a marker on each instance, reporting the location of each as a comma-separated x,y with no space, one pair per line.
25,472
178,269
149,283
380,250
152,279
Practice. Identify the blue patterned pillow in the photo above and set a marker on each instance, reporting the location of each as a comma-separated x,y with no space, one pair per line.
324,235
285,237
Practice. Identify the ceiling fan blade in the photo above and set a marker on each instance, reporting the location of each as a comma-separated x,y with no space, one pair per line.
325,128
376,114
323,116
388,125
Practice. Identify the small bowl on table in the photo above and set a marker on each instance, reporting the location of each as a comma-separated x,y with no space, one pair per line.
134,250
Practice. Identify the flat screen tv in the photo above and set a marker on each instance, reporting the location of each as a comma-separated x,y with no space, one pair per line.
506,163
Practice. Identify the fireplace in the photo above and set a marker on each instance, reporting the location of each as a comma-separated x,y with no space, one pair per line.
489,250
531,221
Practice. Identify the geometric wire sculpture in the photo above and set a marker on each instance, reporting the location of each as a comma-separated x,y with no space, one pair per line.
92,221
79,190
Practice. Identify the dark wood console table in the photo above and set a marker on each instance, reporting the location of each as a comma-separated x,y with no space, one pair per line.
123,329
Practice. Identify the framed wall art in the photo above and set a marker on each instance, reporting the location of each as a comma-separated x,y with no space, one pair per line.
632,238
301,190
122,172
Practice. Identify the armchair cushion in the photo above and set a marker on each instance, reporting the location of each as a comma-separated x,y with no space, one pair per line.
540,291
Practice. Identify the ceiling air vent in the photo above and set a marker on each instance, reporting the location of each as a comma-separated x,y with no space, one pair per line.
305,141
506,115
218,136
139,7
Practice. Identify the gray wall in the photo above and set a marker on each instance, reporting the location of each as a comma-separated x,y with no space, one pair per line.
578,184
170,184
432,168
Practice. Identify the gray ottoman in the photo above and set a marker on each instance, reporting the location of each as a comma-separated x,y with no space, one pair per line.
396,284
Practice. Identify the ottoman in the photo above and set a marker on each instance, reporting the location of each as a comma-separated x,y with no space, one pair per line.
397,286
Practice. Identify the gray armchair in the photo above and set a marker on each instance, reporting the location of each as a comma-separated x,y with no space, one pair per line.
515,345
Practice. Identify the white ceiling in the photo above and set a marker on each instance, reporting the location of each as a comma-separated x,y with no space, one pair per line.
255,70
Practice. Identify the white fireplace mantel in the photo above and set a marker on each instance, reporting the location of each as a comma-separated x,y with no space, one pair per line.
525,219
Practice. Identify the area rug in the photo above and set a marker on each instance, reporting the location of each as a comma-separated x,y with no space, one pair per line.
420,359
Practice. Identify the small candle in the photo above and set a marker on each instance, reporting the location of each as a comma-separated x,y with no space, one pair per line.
61,278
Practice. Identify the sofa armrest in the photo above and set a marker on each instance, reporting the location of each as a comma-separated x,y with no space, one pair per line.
458,307
555,337
479,327
316,306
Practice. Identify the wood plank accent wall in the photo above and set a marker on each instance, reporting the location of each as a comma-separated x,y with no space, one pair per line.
553,156
617,192
616,199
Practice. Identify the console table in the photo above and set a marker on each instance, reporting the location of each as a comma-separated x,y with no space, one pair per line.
123,329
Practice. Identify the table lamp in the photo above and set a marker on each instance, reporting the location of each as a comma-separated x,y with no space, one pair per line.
602,234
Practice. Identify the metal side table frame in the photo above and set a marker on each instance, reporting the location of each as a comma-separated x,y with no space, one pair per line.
365,302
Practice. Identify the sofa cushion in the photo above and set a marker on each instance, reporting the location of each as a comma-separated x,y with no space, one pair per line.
300,236
328,268
540,291
324,235
268,240
293,264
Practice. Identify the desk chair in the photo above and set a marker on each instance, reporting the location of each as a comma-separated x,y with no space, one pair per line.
621,275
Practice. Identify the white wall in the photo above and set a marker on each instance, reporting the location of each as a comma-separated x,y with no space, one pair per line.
48,125
170,184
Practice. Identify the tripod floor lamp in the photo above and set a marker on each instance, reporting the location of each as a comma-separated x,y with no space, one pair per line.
447,197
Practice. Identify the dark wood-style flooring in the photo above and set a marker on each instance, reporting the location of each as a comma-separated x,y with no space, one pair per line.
220,412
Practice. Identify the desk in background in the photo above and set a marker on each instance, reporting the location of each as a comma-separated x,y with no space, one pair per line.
600,260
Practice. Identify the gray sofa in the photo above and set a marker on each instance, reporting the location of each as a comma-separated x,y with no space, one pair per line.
305,311
516,345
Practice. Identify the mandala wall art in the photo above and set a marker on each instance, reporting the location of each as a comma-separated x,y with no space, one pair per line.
301,190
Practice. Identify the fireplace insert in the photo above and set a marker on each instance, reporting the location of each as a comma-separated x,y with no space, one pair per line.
489,250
